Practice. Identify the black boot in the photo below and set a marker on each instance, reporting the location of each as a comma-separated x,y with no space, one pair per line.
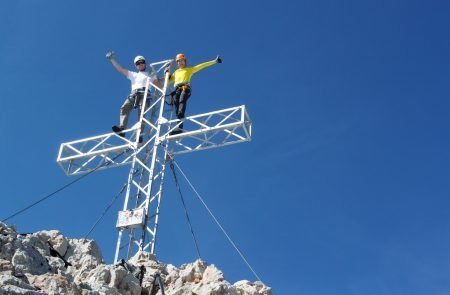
118,130
176,131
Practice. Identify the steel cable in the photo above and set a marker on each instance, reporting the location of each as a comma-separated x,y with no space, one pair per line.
61,188
217,222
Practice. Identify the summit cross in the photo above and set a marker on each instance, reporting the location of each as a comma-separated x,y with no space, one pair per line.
138,220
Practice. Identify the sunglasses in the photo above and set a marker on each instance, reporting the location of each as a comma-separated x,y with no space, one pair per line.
141,62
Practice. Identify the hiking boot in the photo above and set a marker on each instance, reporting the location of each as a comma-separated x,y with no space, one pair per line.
176,131
118,130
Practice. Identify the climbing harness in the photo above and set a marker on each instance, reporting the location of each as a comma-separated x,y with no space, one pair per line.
137,96
182,86
178,89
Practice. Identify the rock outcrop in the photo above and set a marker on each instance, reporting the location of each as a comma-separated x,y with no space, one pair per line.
46,262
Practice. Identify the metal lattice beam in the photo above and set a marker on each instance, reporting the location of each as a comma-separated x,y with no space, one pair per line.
204,131
209,130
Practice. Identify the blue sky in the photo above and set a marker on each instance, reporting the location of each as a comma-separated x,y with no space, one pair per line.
345,186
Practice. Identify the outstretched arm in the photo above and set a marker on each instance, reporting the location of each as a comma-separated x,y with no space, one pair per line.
201,66
110,56
206,64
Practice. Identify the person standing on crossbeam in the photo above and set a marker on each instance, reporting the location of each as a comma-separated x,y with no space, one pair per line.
135,98
182,84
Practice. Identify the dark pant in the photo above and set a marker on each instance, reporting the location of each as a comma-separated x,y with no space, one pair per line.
180,99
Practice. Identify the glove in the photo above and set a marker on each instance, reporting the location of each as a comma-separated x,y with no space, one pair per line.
218,60
110,55
167,70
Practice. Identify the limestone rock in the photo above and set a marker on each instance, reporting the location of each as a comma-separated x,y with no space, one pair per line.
245,287
8,237
7,281
84,256
58,284
199,278
6,265
7,229
46,262
56,239
83,253
14,290
29,260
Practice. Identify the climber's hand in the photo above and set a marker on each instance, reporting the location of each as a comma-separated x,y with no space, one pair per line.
110,55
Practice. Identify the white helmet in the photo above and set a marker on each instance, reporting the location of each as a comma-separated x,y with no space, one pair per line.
138,58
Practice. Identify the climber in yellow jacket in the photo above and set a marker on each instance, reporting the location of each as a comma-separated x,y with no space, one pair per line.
182,84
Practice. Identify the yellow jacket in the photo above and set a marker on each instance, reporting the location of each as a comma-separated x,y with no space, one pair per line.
184,75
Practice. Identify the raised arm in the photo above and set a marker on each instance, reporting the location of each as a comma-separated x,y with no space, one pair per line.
206,64
110,56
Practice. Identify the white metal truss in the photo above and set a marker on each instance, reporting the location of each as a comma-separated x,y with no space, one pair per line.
98,152
138,221
209,130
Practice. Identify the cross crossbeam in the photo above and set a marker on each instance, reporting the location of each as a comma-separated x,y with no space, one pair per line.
203,131
210,130
98,152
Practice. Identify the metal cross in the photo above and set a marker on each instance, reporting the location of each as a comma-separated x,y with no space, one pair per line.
138,220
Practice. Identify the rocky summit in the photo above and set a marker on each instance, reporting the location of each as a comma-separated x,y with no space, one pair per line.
46,262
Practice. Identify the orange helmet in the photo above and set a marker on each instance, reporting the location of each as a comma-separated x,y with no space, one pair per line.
180,56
